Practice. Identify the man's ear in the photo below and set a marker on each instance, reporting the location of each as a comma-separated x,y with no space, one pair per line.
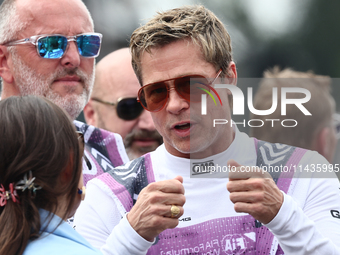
89,113
324,145
5,71
231,77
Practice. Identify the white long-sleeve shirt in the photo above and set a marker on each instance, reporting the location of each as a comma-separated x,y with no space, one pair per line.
307,222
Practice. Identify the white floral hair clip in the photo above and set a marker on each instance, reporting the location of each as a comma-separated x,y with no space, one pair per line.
27,184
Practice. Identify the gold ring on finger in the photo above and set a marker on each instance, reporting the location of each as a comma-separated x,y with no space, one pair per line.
174,211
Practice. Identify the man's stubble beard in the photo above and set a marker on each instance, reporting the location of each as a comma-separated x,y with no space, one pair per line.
31,83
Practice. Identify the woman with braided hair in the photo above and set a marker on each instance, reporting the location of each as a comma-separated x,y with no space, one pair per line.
40,179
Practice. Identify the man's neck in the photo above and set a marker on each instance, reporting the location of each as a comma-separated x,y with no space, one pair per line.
213,149
9,90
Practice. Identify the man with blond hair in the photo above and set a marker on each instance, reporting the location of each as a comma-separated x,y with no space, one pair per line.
314,132
165,202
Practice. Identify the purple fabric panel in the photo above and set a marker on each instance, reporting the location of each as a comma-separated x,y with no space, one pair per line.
264,240
148,168
119,190
233,235
109,141
279,251
286,177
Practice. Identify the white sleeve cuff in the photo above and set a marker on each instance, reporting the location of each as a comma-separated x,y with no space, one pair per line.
125,240
296,233
281,217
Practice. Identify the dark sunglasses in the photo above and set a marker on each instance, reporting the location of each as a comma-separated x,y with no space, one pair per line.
127,108
154,96
81,139
54,46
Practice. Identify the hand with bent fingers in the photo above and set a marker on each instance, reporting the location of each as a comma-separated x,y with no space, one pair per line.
254,192
152,212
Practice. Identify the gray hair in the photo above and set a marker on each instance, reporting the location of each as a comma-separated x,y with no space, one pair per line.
10,23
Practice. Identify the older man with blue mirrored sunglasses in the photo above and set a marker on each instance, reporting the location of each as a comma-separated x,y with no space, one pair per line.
48,52
48,48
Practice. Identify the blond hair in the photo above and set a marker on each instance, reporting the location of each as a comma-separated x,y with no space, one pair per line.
189,22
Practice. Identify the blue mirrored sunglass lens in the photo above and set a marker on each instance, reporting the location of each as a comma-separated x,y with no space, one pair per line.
52,46
88,45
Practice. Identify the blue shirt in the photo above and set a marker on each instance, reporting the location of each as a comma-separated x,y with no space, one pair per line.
62,240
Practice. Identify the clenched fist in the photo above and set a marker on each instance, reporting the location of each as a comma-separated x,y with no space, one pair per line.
254,192
152,212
